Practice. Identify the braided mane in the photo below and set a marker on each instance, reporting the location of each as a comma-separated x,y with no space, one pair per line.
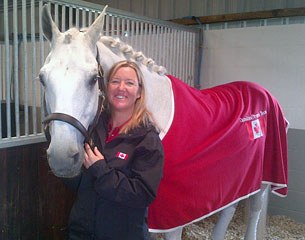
115,44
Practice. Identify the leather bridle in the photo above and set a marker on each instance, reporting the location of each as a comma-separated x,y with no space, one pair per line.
56,116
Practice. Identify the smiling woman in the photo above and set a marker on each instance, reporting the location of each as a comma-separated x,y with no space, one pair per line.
124,168
123,92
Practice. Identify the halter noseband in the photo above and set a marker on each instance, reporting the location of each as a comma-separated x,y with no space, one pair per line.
73,121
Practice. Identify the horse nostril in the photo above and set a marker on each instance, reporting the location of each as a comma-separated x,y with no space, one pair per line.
75,158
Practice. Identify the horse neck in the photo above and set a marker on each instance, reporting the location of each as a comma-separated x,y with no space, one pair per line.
159,95
159,98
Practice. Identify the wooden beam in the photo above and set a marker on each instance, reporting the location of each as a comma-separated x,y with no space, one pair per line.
276,13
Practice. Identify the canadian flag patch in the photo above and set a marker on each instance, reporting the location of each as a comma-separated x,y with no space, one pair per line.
122,155
256,128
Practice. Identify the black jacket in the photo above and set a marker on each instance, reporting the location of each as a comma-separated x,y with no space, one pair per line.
113,194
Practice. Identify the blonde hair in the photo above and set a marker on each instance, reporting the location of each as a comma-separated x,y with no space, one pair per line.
140,115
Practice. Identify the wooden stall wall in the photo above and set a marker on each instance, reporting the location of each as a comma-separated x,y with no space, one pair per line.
34,204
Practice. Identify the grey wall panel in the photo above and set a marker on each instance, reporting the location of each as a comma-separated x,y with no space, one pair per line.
294,3
124,4
297,158
181,8
151,8
171,9
166,9
137,7
294,204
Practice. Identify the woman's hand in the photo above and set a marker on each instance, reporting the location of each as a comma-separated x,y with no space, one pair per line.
91,156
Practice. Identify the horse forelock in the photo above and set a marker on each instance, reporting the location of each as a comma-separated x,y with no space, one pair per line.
116,45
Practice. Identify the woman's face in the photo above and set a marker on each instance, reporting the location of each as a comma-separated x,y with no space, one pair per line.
123,90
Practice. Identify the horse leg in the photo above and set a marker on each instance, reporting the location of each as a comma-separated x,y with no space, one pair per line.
257,214
220,229
153,236
174,235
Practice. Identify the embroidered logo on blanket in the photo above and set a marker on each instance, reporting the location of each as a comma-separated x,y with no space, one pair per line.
255,124
121,155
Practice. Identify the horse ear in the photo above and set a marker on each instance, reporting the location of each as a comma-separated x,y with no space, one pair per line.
97,26
49,28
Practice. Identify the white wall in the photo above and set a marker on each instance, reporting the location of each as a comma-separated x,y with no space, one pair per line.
273,56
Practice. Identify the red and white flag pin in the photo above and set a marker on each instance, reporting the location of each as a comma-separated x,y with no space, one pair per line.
121,155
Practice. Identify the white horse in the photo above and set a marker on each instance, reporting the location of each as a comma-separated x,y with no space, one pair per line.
73,87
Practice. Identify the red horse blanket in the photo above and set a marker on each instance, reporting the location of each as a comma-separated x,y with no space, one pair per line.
224,142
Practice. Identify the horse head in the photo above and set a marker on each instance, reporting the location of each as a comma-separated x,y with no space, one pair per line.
70,80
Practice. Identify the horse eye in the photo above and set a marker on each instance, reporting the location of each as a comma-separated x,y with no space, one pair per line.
95,79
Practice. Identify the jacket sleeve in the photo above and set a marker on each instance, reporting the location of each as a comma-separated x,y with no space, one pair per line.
139,189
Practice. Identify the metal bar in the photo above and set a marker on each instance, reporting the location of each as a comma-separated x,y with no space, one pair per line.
183,54
163,44
77,18
145,34
146,47
5,143
191,72
192,59
1,83
186,55
174,51
112,26
2,78
56,14
90,18
131,31
106,32
15,70
118,27
25,66
70,17
195,59
33,42
84,22
142,33
122,35
2,74
159,44
179,58
63,18
137,34
8,77
42,57
154,45
168,52
149,40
